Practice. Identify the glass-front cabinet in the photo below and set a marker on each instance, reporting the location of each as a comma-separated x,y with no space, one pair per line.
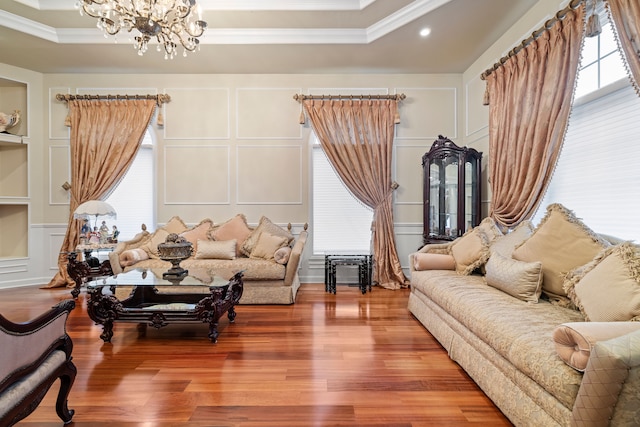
451,190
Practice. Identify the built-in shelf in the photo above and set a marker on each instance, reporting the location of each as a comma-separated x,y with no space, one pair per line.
9,138
14,170
14,229
14,173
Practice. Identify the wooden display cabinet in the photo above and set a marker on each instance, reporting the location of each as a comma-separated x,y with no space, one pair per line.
451,190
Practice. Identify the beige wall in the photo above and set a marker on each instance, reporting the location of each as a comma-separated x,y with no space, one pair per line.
232,143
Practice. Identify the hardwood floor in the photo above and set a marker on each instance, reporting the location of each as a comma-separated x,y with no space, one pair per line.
328,360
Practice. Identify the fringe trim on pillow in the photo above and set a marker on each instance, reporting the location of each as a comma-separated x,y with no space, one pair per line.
436,248
626,251
485,251
571,217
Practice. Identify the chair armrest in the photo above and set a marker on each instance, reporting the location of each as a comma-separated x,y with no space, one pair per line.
294,259
609,390
23,346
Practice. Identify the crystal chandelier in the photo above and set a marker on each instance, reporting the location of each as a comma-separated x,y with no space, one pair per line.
169,21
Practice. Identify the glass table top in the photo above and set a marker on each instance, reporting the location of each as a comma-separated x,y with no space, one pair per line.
196,277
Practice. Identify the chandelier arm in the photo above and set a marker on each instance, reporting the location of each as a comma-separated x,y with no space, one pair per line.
169,21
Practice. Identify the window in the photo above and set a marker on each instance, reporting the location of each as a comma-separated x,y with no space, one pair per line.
133,198
601,62
341,223
597,173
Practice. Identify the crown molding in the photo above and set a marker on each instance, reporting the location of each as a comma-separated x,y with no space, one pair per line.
375,31
239,5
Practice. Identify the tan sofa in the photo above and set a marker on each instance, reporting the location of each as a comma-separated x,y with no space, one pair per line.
268,254
539,358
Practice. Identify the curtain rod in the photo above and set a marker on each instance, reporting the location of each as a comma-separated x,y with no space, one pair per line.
160,98
573,4
301,97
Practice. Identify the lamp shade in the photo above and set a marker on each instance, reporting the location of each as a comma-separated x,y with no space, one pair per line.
94,208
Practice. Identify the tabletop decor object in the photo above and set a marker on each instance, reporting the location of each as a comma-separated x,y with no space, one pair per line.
175,249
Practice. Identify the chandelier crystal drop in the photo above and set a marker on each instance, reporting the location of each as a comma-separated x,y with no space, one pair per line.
170,22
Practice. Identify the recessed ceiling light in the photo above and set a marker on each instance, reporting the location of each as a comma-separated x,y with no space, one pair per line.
425,32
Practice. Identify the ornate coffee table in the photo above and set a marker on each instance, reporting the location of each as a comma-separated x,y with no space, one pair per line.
144,297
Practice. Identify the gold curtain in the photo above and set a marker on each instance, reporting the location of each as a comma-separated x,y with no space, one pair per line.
105,137
625,15
357,136
530,101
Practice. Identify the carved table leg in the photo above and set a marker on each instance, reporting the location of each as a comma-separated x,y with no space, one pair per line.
213,332
231,315
107,330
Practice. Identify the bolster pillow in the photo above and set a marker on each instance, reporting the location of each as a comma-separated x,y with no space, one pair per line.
132,256
575,340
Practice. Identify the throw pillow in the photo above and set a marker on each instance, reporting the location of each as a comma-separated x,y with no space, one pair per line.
132,256
431,261
522,280
265,225
151,245
506,244
282,255
216,249
561,242
574,341
470,251
175,225
267,245
490,228
234,229
608,288
198,232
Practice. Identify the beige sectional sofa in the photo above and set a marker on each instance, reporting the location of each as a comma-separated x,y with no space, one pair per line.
545,354
268,254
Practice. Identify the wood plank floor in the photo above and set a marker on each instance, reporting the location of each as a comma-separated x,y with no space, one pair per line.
328,360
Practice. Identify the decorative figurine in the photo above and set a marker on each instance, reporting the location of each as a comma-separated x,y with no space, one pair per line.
104,232
114,235
94,236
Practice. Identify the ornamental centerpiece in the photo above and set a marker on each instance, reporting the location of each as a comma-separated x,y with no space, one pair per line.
175,249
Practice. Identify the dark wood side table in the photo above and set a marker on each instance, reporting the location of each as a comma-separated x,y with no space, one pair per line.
80,271
144,297
365,269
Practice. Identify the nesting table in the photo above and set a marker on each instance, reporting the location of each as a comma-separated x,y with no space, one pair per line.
364,262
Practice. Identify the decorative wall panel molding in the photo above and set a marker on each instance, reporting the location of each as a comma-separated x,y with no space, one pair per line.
212,120
57,114
59,173
476,114
269,175
427,113
196,175
267,113
408,165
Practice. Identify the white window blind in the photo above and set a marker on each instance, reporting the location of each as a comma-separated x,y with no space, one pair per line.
340,222
597,175
133,198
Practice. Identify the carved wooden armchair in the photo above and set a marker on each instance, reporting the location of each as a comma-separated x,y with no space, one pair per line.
33,355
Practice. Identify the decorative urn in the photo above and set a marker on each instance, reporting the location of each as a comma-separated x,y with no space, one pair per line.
175,249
